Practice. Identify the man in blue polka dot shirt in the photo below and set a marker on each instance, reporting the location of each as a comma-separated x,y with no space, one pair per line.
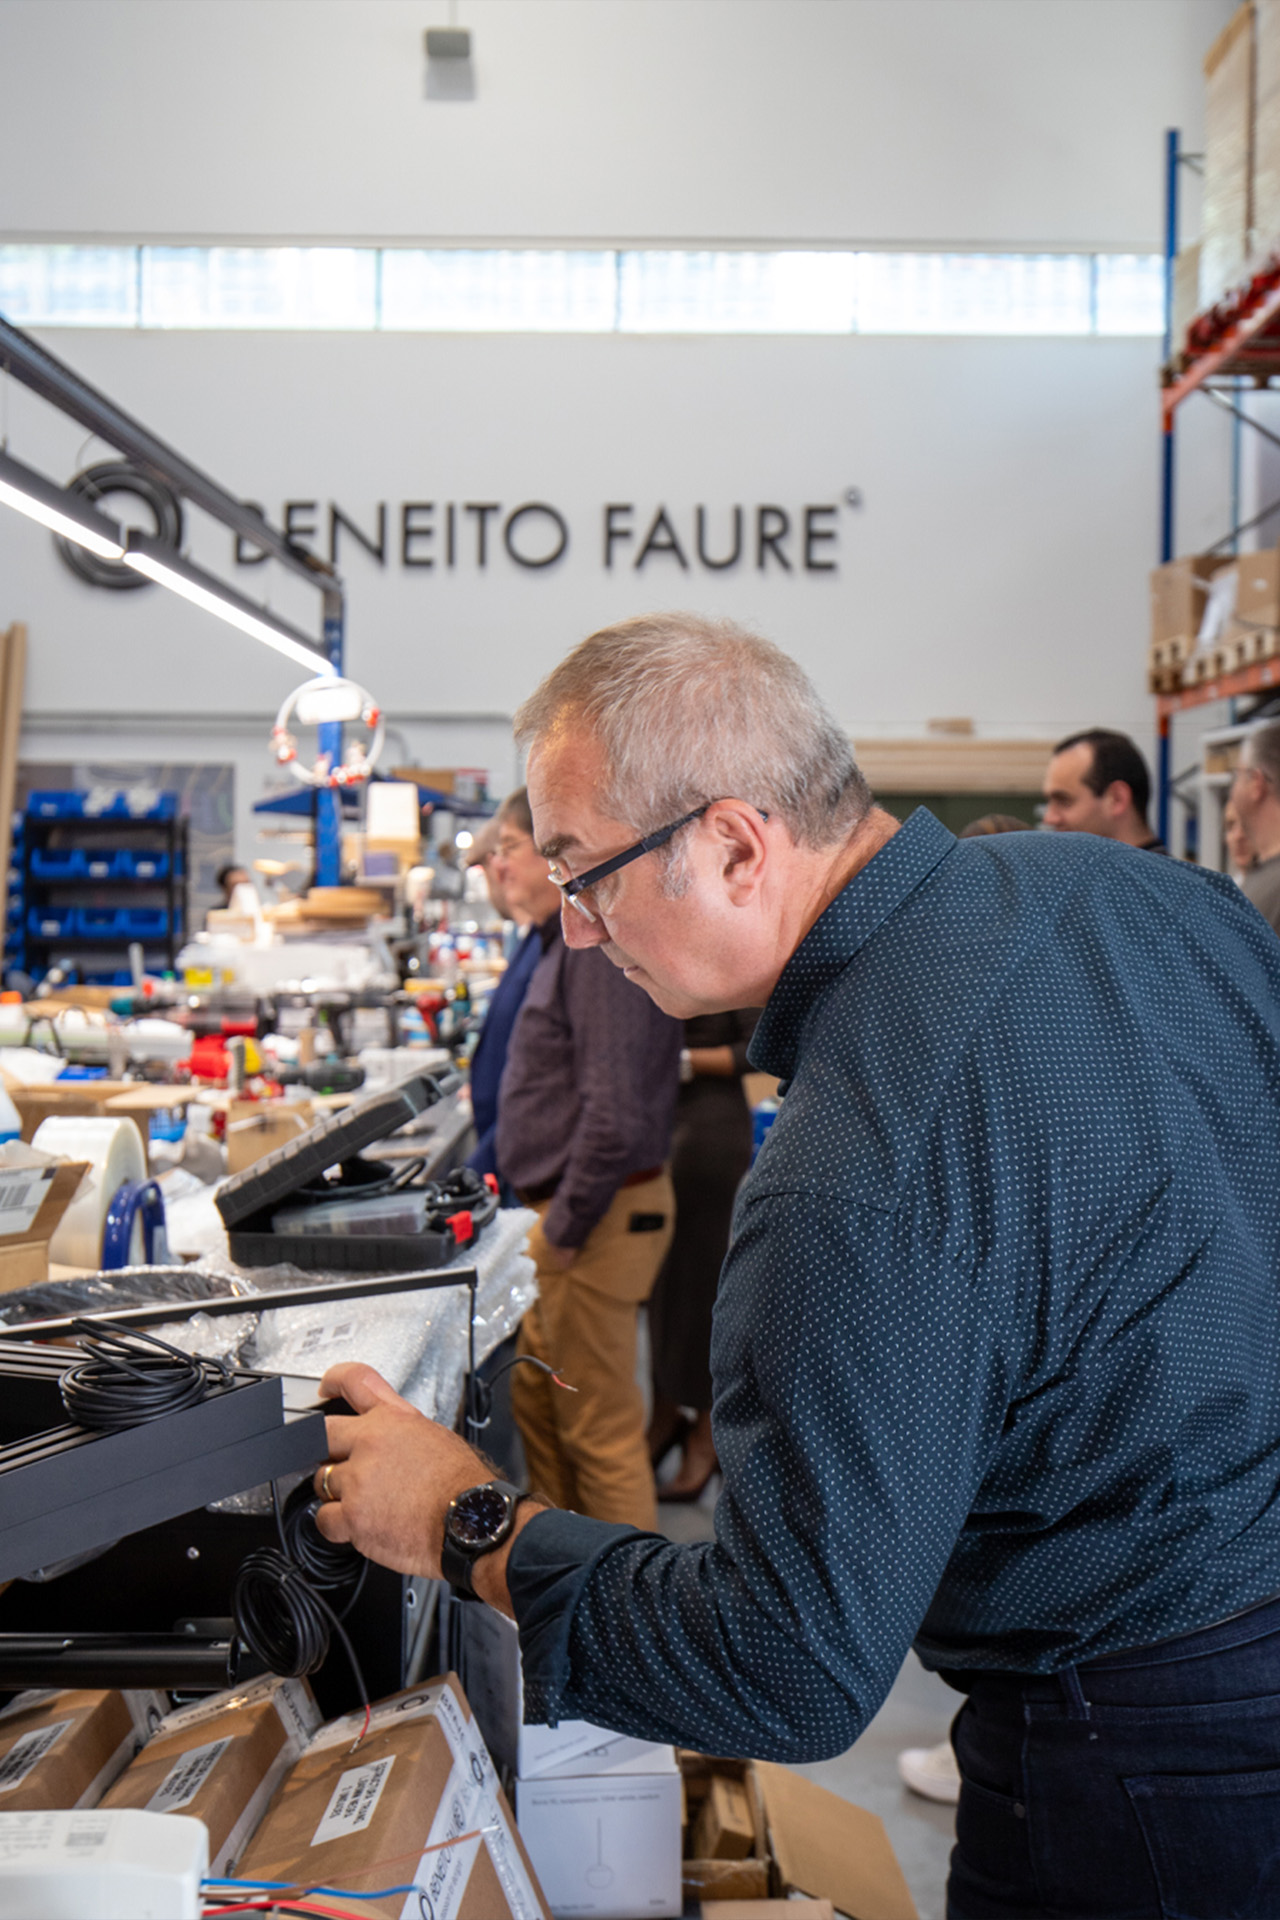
997,1342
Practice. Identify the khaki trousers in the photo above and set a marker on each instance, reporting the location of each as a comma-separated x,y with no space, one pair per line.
586,1450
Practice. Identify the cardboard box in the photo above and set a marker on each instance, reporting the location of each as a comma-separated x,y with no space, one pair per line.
603,1832
768,1910
221,1760
1226,218
1186,292
1178,593
1266,129
808,1842
32,1202
64,1749
495,1688
403,1798
257,1127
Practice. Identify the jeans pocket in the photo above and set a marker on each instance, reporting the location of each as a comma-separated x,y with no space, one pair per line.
1214,1842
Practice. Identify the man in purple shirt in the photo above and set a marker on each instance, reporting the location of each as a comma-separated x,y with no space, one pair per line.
585,1111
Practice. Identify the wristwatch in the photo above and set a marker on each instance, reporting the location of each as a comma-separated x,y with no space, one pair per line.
477,1522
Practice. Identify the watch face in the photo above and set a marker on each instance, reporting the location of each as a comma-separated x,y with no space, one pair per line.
478,1516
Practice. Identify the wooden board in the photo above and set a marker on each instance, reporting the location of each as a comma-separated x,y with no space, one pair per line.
13,666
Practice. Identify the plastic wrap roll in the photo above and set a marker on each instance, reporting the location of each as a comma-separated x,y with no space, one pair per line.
114,1151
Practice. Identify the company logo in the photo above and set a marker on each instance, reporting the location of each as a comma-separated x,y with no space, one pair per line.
115,488
475,536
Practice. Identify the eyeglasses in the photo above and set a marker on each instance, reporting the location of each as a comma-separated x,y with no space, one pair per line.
572,889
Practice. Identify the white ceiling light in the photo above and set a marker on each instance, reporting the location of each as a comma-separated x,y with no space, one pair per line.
22,487
160,563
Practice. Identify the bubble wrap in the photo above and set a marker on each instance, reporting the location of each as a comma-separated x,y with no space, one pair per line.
417,1341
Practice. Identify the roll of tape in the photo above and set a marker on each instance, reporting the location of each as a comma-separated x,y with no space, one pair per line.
114,1151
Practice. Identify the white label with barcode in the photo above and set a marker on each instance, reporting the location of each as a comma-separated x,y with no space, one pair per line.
354,1800
27,1752
21,1197
184,1780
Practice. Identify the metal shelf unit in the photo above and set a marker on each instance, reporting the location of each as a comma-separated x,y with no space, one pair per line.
107,952
1236,344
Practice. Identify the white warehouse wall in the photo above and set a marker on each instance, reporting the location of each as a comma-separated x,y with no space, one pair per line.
997,564
1027,122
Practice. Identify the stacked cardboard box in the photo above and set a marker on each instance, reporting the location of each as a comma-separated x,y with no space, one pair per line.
1211,615
1227,216
412,1800
221,1760
61,1749
1266,129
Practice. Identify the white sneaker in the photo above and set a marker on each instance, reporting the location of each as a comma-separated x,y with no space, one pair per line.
931,1772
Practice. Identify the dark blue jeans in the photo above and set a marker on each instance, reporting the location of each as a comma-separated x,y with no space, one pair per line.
1143,1786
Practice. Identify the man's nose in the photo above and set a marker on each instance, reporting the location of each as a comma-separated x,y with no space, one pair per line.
578,931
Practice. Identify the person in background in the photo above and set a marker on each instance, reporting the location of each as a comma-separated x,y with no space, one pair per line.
1241,852
585,1111
994,823
490,1056
229,878
1097,782
1255,795
710,1152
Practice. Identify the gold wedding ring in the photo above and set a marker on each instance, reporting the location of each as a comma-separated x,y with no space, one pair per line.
326,1491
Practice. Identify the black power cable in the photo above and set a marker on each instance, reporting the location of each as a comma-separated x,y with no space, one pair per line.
280,1612
130,1378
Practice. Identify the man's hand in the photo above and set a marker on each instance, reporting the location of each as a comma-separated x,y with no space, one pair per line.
391,1473
546,1253
390,1477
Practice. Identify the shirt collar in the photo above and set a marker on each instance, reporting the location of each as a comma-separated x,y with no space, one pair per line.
548,930
858,911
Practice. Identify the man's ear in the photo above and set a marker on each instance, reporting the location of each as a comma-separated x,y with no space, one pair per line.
741,849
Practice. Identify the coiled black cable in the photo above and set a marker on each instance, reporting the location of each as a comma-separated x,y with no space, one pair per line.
327,1563
130,1378
279,1611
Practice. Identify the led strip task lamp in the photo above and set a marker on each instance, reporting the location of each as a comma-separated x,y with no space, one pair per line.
22,488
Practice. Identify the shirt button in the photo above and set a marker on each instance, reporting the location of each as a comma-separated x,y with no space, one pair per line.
1019,1811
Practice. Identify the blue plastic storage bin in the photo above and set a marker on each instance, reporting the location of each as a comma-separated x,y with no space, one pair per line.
63,864
99,863
51,923
52,803
135,864
144,923
99,923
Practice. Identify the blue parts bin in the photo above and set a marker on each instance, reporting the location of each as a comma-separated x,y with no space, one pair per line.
53,803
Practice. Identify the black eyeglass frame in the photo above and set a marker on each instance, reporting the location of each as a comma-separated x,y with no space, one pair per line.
594,875
580,883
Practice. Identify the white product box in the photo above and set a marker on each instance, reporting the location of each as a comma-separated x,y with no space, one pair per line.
491,1676
603,1832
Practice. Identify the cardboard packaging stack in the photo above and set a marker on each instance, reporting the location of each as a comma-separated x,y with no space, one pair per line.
1226,227
63,1749
1266,128
221,1760
599,1813
415,1800
1212,615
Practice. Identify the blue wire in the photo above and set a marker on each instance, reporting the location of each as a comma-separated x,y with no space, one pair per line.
341,1893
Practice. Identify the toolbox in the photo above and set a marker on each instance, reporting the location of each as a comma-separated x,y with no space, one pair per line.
316,1203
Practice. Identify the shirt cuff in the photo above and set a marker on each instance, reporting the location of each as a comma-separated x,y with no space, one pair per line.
552,1560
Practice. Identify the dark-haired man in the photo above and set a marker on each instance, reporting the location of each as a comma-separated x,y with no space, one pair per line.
1097,782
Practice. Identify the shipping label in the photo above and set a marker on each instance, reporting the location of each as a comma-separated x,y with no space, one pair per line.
186,1777
22,1194
27,1752
354,1800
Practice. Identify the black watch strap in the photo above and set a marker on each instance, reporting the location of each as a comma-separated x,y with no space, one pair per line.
463,1546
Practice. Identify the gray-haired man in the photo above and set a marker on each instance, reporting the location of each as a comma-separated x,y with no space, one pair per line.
996,1352
1255,794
